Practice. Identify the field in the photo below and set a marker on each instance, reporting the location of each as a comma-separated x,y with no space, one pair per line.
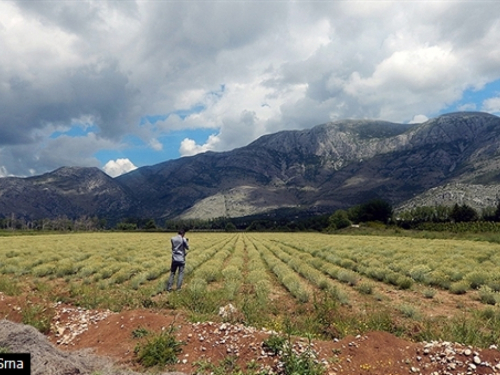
319,286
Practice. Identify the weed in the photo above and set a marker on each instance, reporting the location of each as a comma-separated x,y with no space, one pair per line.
408,311
303,363
274,344
429,293
9,287
140,332
159,350
37,316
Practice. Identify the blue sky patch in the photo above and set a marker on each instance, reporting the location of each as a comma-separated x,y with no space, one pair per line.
141,154
472,100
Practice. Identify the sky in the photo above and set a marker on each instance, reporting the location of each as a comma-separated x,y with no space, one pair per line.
123,84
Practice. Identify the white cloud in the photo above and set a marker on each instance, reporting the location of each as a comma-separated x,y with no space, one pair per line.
155,144
189,147
241,68
118,167
492,105
418,119
467,107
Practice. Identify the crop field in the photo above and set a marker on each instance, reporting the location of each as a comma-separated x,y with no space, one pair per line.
325,285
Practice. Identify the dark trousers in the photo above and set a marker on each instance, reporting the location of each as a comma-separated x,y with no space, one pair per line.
173,269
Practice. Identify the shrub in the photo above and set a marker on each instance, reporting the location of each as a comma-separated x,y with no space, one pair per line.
408,311
439,278
160,350
477,278
404,282
365,287
9,286
44,270
348,276
376,273
459,287
420,272
488,296
495,285
429,293
38,317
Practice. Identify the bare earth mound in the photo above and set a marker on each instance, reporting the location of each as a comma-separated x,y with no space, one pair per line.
75,331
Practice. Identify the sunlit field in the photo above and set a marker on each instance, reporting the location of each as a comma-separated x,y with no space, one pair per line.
326,285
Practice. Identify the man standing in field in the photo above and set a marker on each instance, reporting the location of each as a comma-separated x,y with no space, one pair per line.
179,247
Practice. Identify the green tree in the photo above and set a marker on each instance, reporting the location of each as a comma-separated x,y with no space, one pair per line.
463,213
497,212
126,226
339,219
375,210
230,227
150,225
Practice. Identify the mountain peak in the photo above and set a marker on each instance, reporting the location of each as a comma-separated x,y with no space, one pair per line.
330,166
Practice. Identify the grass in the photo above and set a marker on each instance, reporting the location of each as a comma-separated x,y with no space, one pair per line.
37,316
159,350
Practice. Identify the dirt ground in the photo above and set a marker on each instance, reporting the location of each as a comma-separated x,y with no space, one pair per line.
376,353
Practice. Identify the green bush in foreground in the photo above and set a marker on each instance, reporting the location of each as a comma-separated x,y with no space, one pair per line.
160,350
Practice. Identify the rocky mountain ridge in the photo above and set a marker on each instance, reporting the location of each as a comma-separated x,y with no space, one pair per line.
317,170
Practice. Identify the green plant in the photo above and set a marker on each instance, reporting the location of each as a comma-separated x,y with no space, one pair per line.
140,332
429,293
159,350
365,287
9,287
303,363
348,276
37,316
477,279
408,311
459,287
274,343
488,295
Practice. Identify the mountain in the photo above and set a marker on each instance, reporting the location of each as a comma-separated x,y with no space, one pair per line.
71,192
453,158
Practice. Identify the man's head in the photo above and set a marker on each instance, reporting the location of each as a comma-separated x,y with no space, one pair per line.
182,232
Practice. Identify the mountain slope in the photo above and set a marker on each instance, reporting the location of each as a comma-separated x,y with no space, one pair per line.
318,170
329,166
70,192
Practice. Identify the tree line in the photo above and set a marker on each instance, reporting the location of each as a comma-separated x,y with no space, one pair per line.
376,210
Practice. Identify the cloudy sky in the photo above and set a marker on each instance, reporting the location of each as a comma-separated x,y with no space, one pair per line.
123,84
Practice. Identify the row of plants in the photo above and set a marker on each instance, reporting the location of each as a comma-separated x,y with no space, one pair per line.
457,266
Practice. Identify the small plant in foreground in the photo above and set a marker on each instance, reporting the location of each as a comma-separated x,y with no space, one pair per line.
140,332
159,350
38,317
274,344
429,293
301,362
